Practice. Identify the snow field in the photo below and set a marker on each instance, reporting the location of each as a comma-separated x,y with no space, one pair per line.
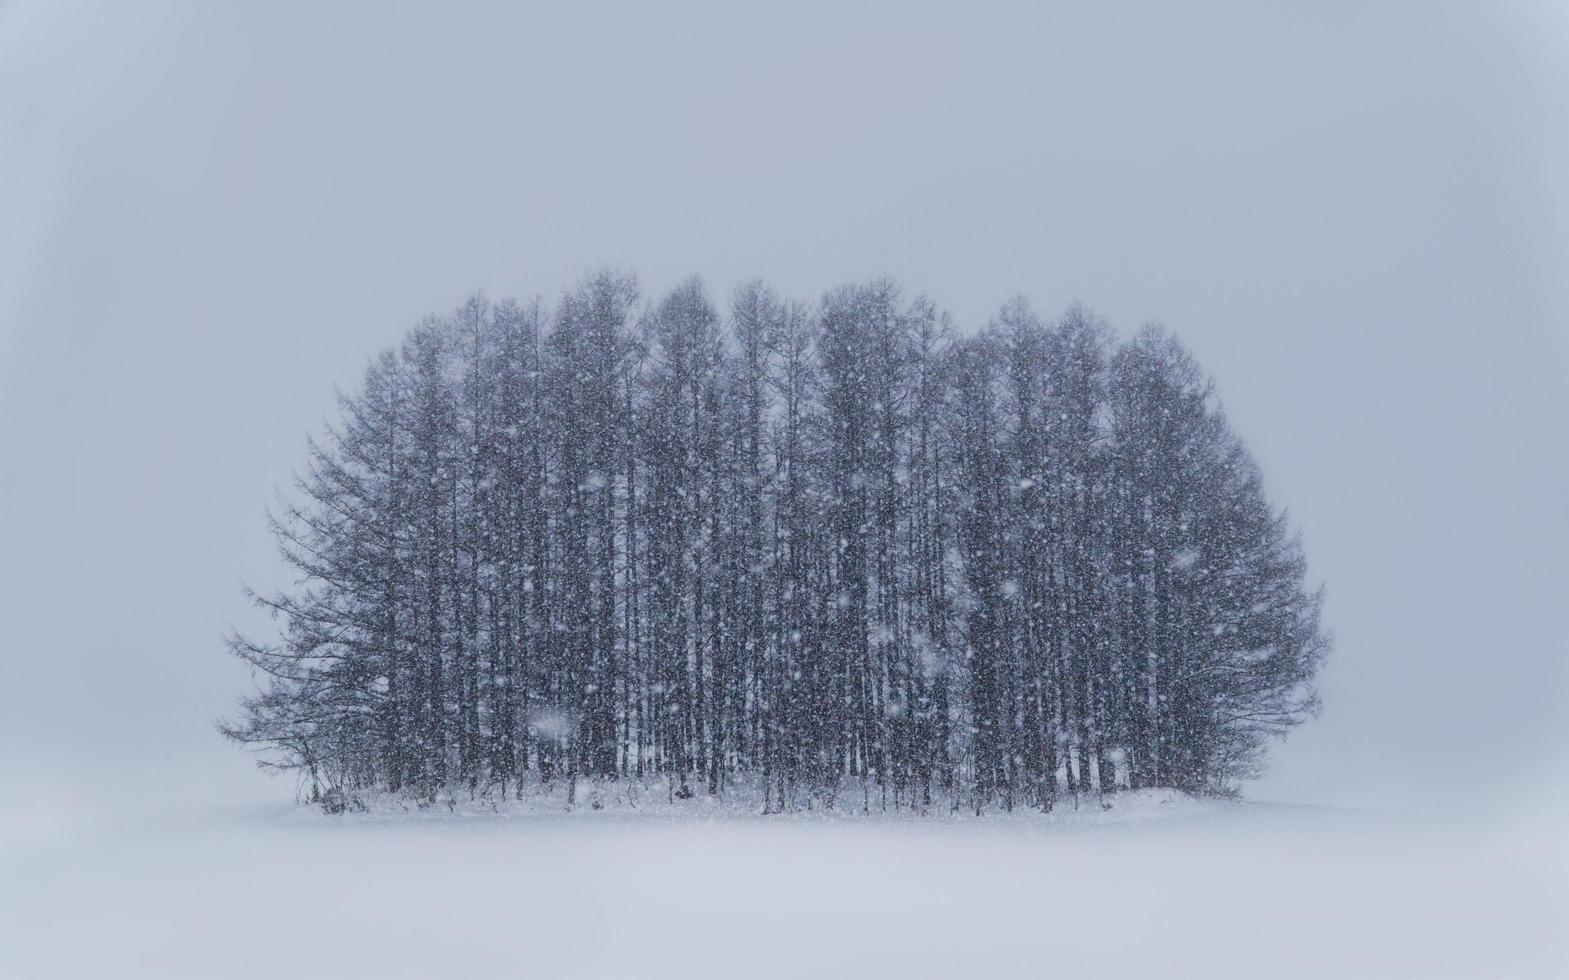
1161,886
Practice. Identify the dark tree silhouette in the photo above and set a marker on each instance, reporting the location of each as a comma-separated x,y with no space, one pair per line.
822,550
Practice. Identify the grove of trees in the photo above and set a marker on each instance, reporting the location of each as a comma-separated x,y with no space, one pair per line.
830,552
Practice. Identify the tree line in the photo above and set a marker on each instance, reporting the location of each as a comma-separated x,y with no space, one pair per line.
825,551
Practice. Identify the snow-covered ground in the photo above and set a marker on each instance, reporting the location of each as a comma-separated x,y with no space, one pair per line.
1158,886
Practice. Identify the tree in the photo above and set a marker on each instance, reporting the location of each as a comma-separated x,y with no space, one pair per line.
806,549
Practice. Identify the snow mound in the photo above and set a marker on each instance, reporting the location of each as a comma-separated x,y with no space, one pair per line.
623,799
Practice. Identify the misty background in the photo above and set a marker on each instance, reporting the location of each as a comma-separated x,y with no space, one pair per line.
1354,214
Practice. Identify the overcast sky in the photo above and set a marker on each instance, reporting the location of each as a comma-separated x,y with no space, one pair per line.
1356,215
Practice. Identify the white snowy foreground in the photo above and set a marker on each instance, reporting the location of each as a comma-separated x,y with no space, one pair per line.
1159,886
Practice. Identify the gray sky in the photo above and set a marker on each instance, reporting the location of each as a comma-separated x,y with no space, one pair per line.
1355,214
